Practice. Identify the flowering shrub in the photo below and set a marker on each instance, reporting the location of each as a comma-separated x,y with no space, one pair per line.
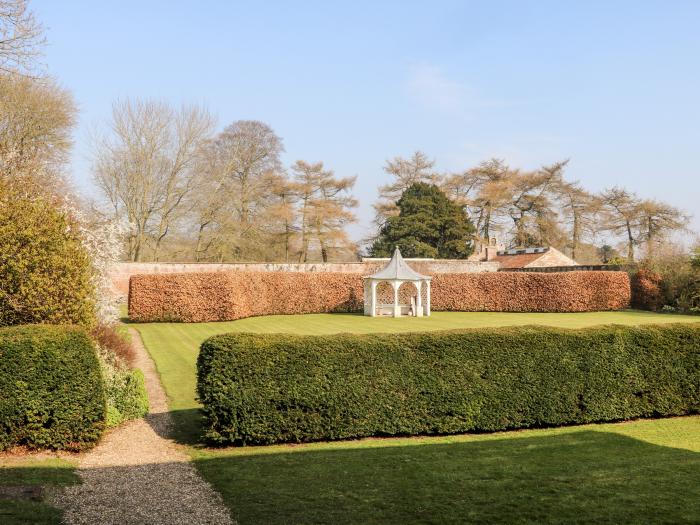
102,240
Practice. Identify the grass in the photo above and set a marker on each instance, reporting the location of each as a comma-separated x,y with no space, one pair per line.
637,472
35,477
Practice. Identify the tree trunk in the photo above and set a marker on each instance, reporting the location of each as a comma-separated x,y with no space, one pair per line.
630,243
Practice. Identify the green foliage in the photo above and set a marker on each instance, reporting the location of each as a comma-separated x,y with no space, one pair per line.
695,258
44,269
125,388
429,224
282,388
126,395
679,283
51,389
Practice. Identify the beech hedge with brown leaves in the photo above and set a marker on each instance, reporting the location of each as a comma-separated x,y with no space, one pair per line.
226,296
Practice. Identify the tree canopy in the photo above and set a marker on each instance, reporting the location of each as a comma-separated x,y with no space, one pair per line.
429,224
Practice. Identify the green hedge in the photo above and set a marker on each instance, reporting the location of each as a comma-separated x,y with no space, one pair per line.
259,389
51,388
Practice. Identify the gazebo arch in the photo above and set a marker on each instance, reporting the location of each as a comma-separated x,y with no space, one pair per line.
396,273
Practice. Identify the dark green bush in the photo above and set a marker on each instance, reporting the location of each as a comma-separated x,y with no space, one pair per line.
51,388
262,389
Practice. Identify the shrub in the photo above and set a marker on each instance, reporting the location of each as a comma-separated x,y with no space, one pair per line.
126,395
125,388
51,389
262,388
226,296
677,277
646,290
44,270
110,338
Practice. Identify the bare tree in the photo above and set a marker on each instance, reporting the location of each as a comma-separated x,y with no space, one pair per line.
580,209
405,173
244,161
210,205
36,123
494,194
485,191
658,219
21,38
621,216
145,166
282,214
325,205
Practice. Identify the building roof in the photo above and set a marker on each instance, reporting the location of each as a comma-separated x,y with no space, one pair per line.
532,257
519,260
398,270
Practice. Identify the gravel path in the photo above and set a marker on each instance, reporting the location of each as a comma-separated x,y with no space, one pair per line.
138,476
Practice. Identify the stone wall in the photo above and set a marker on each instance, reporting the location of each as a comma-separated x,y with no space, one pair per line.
121,272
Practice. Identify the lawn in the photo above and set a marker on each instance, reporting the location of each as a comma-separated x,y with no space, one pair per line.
25,484
642,471
638,472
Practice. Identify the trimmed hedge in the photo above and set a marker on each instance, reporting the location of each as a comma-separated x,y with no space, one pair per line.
580,291
275,388
51,388
646,288
226,296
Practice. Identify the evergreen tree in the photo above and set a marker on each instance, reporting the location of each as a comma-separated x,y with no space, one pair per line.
428,225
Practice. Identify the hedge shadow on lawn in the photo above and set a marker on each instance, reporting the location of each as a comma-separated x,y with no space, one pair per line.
186,426
577,477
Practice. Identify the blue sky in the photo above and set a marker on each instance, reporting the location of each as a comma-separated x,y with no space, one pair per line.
613,86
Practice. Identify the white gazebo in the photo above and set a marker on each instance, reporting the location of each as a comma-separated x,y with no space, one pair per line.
411,290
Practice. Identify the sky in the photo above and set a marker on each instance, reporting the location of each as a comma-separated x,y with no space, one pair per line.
612,86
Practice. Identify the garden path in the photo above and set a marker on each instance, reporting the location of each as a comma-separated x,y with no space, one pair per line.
137,475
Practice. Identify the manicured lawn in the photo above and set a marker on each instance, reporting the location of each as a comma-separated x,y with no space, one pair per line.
638,472
174,346
24,487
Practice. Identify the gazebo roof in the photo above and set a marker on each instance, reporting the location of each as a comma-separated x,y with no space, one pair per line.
398,270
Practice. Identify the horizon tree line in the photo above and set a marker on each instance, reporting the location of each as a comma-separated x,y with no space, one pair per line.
542,208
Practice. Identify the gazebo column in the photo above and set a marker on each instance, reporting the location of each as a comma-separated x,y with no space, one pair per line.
427,299
397,308
419,301
373,301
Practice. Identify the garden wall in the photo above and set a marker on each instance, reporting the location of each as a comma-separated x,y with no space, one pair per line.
120,273
272,388
224,296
